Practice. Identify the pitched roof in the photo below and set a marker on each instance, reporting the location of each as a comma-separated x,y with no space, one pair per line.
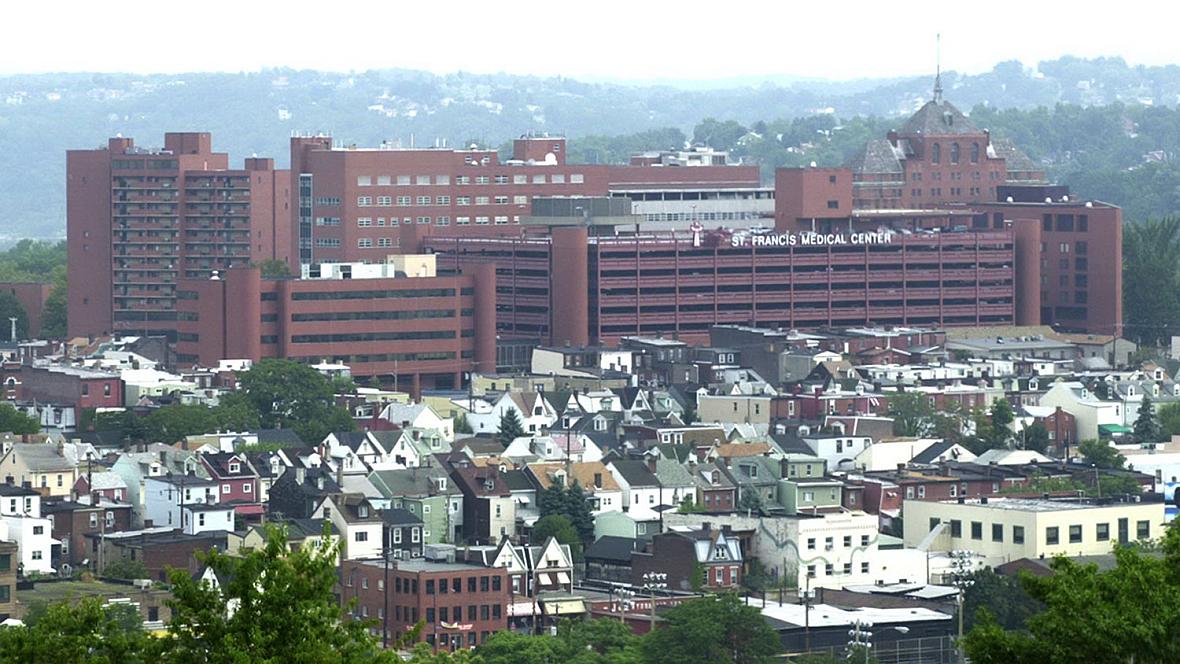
400,517
877,156
636,473
583,473
1014,158
612,549
41,457
939,118
420,481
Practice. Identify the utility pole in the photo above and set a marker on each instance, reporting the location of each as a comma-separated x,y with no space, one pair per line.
385,551
653,581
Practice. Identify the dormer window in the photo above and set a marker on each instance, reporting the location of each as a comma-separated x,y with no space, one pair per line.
235,467
362,511
721,552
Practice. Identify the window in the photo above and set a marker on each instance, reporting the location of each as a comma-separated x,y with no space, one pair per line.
577,178
364,222
864,568
976,530
403,201
936,153
848,541
1143,530
954,153
424,200
37,555
429,590
1075,534
811,544
397,535
1103,532
909,493
225,488
1018,534
247,488
956,528
361,536
997,532
1052,536
864,540
934,521
364,201
975,153
811,571
364,243
922,491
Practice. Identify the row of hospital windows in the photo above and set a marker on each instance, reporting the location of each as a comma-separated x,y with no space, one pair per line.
426,180
1052,533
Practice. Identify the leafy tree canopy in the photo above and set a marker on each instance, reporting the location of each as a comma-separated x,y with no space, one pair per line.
291,395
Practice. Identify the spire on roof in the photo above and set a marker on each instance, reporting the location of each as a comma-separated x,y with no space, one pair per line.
938,68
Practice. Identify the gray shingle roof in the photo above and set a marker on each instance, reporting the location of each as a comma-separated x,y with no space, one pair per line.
938,118
877,156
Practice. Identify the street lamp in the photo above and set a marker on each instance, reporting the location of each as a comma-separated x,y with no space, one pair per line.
653,581
862,638
625,602
963,566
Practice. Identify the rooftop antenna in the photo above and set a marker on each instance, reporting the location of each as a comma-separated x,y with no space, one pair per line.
938,68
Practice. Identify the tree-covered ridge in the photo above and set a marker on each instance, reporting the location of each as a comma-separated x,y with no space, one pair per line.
45,115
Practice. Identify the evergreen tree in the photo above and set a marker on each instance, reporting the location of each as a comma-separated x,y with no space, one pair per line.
461,424
1147,427
510,427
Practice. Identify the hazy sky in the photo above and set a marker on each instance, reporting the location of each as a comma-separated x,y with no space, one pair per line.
604,39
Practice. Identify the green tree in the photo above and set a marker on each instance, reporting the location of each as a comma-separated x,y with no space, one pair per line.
126,568
1130,613
82,631
712,630
510,427
570,503
10,307
559,527
171,424
54,314
1147,427
1151,279
1101,453
718,135
1004,596
750,501
688,505
285,610
1169,418
1036,438
1001,414
461,424
291,395
274,268
15,421
911,413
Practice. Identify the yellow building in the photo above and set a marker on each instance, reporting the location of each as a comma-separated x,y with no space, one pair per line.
1006,529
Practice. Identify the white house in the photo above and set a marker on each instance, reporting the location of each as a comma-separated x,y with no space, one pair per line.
357,521
419,416
838,451
1089,412
179,501
536,414
34,539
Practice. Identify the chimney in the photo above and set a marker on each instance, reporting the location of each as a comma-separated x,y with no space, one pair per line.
163,458
706,526
597,480
651,464
340,473
300,474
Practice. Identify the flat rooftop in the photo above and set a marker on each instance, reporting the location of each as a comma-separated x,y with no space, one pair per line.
1040,504
825,615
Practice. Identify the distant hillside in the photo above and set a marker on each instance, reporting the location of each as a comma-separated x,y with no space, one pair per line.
44,115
